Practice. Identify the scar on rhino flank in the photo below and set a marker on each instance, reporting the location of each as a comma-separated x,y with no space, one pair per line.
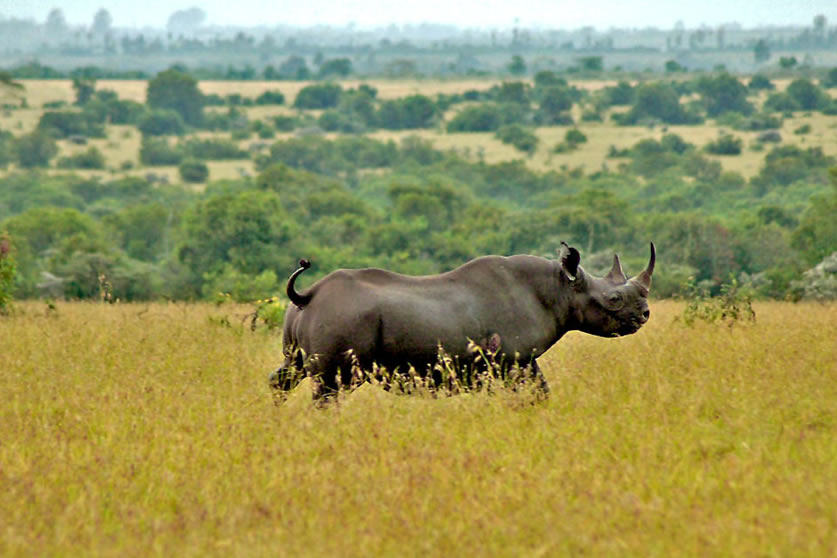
490,346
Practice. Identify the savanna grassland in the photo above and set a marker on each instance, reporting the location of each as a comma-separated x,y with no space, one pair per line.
139,429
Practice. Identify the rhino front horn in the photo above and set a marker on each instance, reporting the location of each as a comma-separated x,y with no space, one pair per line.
644,278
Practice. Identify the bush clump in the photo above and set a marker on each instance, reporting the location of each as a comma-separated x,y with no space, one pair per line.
90,159
725,145
193,170
518,136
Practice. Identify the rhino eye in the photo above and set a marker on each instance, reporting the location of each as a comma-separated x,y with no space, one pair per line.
615,300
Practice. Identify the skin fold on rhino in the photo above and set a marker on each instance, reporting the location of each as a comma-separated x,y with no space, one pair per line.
513,308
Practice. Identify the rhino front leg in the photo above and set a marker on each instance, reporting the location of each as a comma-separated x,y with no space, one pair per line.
538,378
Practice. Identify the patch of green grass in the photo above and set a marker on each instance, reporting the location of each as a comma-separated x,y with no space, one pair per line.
149,429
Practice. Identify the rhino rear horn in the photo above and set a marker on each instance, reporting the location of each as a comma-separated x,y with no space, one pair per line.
644,278
616,275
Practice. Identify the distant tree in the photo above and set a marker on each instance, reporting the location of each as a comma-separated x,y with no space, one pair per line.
185,21
808,95
84,88
157,151
517,66
484,117
760,82
620,94
35,150
787,62
660,101
516,135
177,91
339,67
672,66
294,67
90,159
820,23
56,24
271,98
545,78
7,148
102,23
161,123
761,52
724,145
591,63
193,170
830,79
724,93
512,92
318,96
414,111
555,99
574,136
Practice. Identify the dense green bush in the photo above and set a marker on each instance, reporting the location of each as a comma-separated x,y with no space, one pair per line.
413,111
722,94
193,170
92,158
62,124
271,97
760,82
485,117
807,95
318,96
158,152
212,149
657,101
35,150
518,136
177,91
725,145
161,123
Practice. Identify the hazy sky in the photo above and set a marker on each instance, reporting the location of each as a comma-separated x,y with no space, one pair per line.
566,14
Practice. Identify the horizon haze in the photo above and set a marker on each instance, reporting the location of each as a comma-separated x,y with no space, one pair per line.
600,14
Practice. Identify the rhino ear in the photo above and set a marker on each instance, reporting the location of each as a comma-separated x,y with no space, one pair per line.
570,260
616,275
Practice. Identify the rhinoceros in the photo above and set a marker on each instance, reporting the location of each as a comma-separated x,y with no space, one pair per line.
516,307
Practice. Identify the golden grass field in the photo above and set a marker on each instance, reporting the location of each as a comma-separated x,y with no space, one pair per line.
591,156
148,429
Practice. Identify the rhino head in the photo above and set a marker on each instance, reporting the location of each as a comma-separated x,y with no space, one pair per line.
609,306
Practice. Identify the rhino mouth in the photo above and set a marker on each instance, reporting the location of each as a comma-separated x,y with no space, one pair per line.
628,328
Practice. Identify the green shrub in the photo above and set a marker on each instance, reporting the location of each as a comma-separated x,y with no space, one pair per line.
212,149
484,117
162,122
284,123
575,136
734,305
802,130
158,152
193,170
64,124
318,96
516,135
725,145
760,82
90,159
35,150
8,273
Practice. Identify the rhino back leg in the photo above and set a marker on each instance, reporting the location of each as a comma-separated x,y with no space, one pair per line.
287,377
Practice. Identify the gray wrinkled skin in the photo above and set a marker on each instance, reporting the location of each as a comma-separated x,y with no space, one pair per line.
516,306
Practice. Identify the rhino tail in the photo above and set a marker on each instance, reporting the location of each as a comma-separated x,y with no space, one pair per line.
300,300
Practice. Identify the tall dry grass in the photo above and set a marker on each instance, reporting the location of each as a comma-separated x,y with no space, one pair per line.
149,429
